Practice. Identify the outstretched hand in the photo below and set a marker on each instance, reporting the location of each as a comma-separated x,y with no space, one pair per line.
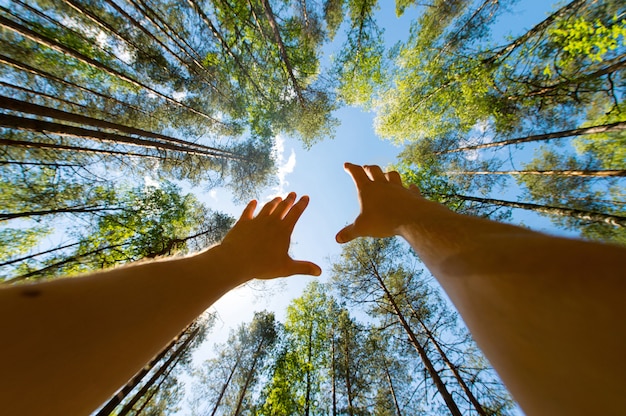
385,203
259,245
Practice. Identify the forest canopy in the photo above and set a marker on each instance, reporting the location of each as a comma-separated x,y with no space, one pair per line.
115,112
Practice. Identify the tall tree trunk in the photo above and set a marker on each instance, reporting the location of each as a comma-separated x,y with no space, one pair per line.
614,220
538,28
589,173
63,262
35,71
49,96
479,408
108,408
77,149
251,370
439,384
36,109
168,365
64,210
307,399
41,253
332,373
225,46
392,390
281,48
603,128
226,384
57,46
40,126
347,375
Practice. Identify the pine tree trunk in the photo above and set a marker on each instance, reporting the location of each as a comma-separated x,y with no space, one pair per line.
6,263
281,48
77,149
603,128
347,375
588,173
614,220
64,210
479,408
226,384
439,384
40,126
307,400
108,408
333,378
27,68
251,370
53,44
392,390
168,365
36,109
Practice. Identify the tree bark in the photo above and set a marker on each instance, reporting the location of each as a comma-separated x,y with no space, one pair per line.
392,390
579,173
603,128
40,126
108,408
52,250
244,389
615,220
54,45
36,109
439,384
226,384
281,48
171,362
27,68
64,210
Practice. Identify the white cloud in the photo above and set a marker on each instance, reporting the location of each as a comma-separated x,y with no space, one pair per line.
149,182
213,194
285,167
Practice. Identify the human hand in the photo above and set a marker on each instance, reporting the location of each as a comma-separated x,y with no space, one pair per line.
259,245
385,203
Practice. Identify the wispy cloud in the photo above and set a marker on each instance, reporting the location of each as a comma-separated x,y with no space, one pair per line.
285,167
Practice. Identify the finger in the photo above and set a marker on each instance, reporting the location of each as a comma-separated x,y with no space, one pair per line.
304,267
282,208
375,173
394,177
248,211
292,217
415,189
358,174
347,234
269,207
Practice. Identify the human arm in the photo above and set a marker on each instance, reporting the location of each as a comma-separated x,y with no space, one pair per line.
547,312
69,344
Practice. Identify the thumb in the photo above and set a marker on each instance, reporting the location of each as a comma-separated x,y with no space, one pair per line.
305,267
348,233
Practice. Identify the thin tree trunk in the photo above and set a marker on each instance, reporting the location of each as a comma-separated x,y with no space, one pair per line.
333,378
36,109
602,128
347,375
52,250
281,48
226,384
43,94
108,408
27,68
439,384
392,390
591,216
64,210
479,408
63,148
307,399
538,28
40,126
171,362
54,45
224,45
244,389
63,262
51,165
579,173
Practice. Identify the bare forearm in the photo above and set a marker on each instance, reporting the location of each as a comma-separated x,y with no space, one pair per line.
528,299
91,340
